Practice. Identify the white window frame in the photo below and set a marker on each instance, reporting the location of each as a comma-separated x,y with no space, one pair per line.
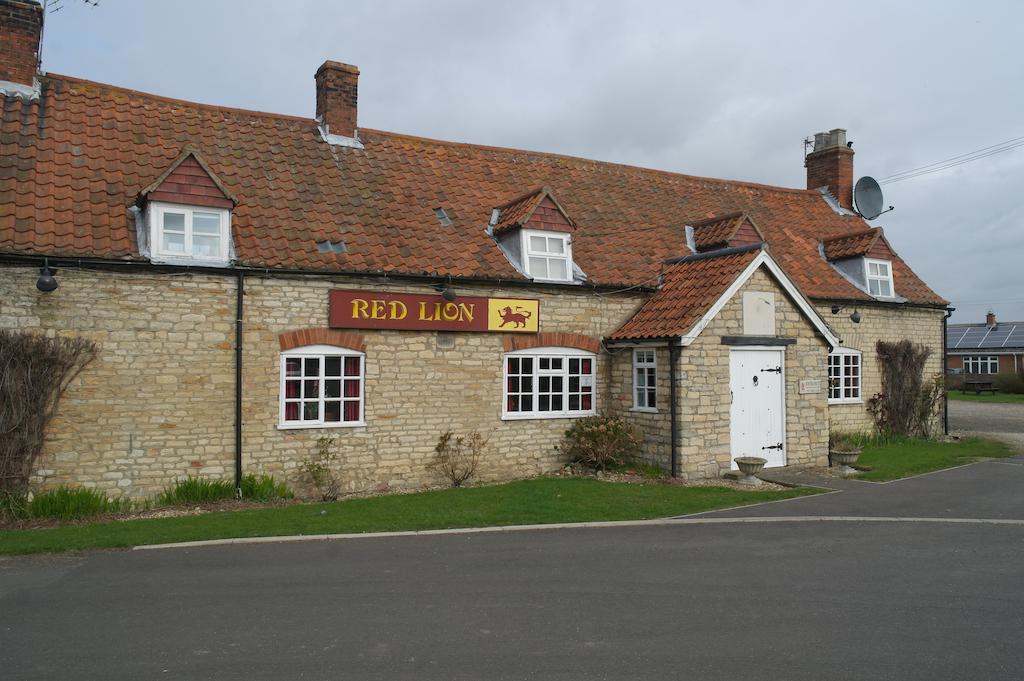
868,277
841,354
566,255
157,210
565,354
321,352
977,361
645,364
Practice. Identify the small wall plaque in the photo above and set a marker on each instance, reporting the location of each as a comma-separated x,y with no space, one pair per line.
809,386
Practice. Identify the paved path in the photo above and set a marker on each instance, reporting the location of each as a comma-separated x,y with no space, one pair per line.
1002,421
732,600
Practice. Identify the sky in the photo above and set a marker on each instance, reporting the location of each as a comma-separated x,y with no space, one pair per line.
718,89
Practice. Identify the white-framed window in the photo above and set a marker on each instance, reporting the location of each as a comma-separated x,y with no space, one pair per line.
844,376
322,386
645,380
878,274
547,256
981,364
549,382
190,233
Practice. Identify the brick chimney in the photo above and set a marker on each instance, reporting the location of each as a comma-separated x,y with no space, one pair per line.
990,320
21,25
830,165
337,97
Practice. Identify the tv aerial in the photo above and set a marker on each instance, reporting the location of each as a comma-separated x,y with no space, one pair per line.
867,198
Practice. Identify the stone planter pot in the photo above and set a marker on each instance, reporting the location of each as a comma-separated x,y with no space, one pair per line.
844,458
750,466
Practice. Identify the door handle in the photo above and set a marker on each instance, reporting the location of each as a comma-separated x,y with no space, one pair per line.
778,446
776,370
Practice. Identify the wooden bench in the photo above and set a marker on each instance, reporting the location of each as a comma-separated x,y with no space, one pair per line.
978,387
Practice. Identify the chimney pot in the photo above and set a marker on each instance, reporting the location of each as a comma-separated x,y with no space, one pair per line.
21,28
990,320
337,98
830,165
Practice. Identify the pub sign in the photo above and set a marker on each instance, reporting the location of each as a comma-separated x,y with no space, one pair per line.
426,312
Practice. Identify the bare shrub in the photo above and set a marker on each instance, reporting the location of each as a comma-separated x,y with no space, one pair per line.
457,458
320,469
908,404
34,373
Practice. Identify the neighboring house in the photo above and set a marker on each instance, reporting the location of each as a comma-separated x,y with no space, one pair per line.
258,281
985,349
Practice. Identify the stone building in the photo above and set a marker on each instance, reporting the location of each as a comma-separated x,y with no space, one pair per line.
258,281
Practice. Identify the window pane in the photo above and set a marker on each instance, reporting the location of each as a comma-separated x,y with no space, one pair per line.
544,403
312,366
311,389
352,366
873,287
587,402
292,366
513,365
640,378
574,402
310,411
352,388
556,363
527,365
291,389
174,221
650,399
586,366
206,246
352,410
556,402
538,244
545,363
332,366
206,223
574,365
556,245
513,403
557,269
527,402
332,388
539,268
291,411
173,243
332,412
883,287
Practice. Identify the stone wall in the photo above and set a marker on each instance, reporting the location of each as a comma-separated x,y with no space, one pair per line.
705,400
880,322
159,402
656,427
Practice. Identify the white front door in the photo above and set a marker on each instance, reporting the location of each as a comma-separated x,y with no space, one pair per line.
757,417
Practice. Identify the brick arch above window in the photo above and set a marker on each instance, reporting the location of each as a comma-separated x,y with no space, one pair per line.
552,339
298,338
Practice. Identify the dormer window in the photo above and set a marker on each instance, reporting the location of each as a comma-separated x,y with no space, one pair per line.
879,277
184,232
188,215
548,255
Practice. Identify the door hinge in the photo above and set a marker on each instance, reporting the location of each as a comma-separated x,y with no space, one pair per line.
776,370
778,446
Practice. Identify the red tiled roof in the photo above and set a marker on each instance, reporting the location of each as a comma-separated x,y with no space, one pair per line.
851,245
690,288
73,162
538,210
718,232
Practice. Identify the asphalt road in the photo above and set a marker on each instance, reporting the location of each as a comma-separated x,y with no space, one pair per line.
737,600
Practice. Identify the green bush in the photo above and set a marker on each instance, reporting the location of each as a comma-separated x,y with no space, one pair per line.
601,442
72,503
1010,383
264,488
195,490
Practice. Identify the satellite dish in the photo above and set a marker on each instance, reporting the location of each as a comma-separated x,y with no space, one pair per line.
867,197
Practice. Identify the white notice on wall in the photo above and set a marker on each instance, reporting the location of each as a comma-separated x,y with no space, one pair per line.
587,381
810,385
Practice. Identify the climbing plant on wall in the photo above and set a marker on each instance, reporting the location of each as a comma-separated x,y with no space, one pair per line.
909,403
35,370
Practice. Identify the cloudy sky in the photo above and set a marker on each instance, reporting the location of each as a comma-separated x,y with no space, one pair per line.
723,89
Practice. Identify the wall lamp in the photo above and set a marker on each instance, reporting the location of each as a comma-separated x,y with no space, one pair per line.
855,317
46,281
446,290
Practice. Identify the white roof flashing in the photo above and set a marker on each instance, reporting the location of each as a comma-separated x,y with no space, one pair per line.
29,93
339,140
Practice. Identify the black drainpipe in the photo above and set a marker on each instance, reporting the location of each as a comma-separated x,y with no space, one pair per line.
673,370
239,295
945,372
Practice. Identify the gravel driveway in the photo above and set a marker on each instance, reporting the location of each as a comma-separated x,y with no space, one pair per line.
1002,421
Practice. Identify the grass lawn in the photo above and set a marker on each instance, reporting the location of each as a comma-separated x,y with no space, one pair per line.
911,457
542,500
1005,398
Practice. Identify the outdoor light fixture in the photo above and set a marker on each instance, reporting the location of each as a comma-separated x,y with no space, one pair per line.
447,292
46,281
855,317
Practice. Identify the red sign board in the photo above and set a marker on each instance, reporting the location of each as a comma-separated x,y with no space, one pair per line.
423,312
